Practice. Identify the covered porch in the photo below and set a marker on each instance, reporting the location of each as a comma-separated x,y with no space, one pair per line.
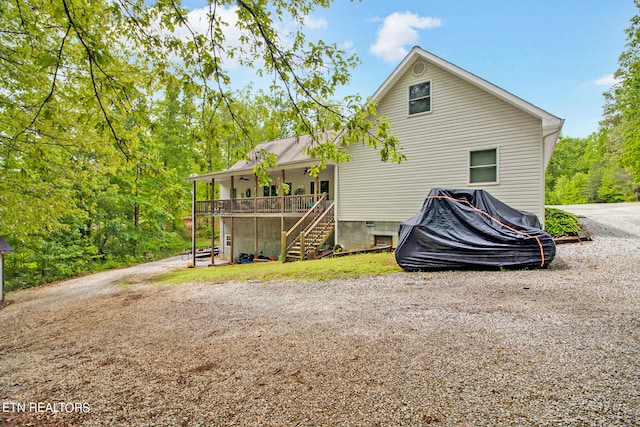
255,219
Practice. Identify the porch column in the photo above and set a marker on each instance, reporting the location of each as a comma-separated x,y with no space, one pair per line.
255,220
213,221
316,186
231,220
193,223
255,193
282,203
1,276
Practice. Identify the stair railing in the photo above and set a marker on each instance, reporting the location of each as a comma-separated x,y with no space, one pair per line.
314,227
307,219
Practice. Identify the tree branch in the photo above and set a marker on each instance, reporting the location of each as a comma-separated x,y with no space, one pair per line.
91,60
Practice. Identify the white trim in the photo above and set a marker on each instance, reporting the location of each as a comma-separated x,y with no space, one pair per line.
430,97
543,169
497,165
417,51
336,201
551,124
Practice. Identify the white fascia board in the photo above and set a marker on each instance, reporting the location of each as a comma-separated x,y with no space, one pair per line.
548,119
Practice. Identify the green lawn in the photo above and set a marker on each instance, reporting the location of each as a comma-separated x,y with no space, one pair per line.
352,266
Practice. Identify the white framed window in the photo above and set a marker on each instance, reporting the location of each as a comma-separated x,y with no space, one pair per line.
483,166
227,240
420,98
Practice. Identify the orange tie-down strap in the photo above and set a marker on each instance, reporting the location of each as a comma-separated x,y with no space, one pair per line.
495,220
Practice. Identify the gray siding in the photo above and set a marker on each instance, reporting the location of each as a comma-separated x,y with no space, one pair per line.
437,144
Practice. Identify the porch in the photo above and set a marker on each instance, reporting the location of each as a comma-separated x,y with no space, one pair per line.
271,227
252,218
270,206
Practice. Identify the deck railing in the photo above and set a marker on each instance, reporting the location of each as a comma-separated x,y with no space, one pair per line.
257,205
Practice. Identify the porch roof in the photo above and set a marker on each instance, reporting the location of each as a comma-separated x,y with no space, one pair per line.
290,154
5,248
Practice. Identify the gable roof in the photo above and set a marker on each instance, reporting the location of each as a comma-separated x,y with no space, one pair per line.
290,153
551,125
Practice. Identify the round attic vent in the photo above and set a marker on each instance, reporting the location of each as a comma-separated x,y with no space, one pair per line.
419,68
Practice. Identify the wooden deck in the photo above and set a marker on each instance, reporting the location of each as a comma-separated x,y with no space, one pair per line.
294,206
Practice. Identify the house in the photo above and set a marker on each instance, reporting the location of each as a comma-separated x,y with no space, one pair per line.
456,129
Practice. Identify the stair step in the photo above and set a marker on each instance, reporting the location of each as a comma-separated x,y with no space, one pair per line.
318,235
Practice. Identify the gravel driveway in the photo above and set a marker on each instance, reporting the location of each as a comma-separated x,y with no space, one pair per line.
550,347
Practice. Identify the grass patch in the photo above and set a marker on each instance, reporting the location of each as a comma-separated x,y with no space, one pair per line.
124,284
353,266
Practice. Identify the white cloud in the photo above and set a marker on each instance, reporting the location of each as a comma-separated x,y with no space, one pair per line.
199,23
398,30
347,46
607,80
315,23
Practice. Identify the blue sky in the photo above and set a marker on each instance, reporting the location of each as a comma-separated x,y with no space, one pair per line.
557,54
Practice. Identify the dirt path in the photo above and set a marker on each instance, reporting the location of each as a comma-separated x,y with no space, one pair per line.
535,348
90,286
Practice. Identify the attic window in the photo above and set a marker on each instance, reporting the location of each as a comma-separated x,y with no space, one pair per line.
483,166
420,98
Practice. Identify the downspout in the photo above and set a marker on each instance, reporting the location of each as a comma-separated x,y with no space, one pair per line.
543,170
545,163
544,142
336,192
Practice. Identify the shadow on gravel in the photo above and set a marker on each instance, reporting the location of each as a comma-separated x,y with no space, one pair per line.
558,264
601,229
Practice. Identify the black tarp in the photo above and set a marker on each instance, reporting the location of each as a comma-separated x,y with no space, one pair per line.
470,229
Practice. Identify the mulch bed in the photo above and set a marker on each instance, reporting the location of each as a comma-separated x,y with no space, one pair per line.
584,235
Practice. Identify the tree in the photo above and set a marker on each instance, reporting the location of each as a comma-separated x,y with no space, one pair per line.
75,73
622,112
65,86
107,106
587,170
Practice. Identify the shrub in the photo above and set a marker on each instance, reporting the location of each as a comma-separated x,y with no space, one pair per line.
560,223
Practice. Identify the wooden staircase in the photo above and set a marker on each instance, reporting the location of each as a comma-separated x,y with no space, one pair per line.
313,239
310,233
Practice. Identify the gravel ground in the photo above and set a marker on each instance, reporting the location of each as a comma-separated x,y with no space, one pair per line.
550,347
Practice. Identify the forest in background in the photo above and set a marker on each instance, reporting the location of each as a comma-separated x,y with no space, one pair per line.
105,111
605,166
589,170
124,211
106,107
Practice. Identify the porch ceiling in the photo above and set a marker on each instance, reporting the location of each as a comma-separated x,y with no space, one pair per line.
227,174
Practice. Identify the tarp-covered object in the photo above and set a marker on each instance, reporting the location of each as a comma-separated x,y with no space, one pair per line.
470,229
